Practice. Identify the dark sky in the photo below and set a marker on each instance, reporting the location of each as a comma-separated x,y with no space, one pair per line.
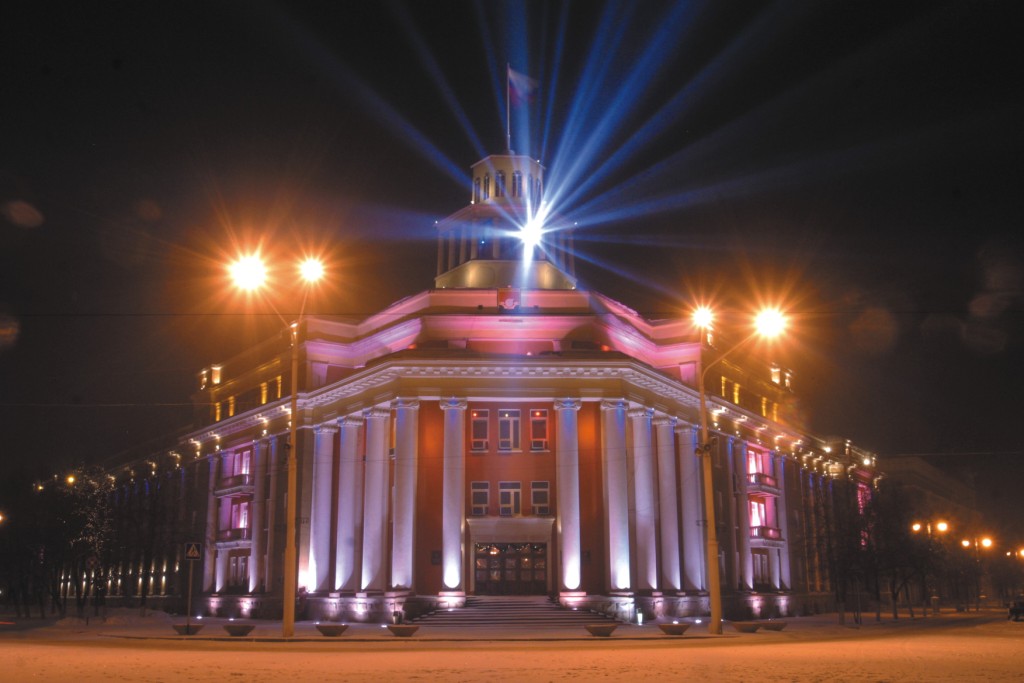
858,162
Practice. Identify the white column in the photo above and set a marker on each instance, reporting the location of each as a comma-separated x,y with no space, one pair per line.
271,549
453,512
375,500
257,516
616,497
320,524
210,551
668,506
567,473
782,510
738,464
406,454
350,505
644,500
692,527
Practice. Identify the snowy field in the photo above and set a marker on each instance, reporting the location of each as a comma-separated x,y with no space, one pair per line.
952,647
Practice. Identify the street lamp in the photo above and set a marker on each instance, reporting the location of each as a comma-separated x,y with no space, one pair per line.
769,323
249,273
978,543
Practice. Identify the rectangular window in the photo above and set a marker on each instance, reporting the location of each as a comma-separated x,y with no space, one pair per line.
280,385
240,516
508,430
480,497
231,406
242,460
216,411
264,392
479,430
540,497
538,430
509,498
736,393
764,406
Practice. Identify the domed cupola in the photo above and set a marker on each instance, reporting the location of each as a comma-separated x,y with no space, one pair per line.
506,237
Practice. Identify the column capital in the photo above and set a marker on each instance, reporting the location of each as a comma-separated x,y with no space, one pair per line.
353,420
377,412
640,412
453,403
613,404
681,426
406,403
567,404
663,420
326,427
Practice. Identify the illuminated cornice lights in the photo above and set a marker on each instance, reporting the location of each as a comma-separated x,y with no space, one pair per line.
248,272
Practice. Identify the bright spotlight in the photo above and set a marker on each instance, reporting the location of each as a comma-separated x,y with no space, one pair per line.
703,317
248,272
311,270
770,322
530,233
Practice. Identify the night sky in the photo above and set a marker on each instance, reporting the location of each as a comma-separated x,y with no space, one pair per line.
858,163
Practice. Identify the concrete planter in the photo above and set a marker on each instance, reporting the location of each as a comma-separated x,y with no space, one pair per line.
673,629
773,625
239,630
746,626
602,630
187,629
403,630
331,630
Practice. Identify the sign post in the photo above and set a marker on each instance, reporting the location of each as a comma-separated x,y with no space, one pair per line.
193,553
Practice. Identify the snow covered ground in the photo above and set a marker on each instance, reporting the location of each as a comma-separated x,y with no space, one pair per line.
126,647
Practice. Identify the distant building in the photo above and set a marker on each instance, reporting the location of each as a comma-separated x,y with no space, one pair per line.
504,432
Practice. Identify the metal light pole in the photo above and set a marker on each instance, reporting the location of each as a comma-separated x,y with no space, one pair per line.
290,588
766,328
249,274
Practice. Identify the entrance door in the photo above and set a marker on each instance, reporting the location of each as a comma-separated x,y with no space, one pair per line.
511,568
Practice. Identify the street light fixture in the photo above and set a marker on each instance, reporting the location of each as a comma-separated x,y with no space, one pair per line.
249,273
769,323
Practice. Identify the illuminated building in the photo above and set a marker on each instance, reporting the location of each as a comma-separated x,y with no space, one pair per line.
505,432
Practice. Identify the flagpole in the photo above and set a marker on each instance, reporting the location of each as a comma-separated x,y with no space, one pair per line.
508,107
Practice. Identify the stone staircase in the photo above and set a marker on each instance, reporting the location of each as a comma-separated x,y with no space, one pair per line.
527,612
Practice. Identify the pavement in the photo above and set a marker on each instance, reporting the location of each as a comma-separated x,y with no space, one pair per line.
129,624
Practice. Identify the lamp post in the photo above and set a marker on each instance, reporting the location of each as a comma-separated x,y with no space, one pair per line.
249,274
934,530
977,543
769,323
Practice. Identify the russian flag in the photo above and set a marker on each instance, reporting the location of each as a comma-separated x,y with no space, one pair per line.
521,87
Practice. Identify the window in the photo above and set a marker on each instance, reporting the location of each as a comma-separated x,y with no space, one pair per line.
240,516
238,572
540,497
264,392
280,384
216,412
476,190
758,513
508,430
499,184
517,184
479,430
231,406
538,430
486,193
509,498
480,497
241,462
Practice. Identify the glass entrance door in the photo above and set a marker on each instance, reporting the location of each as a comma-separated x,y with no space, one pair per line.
511,568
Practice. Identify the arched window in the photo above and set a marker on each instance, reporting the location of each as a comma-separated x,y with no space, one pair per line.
517,184
487,186
499,184
476,190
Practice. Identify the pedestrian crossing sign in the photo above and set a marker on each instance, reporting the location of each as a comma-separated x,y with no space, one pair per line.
193,551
